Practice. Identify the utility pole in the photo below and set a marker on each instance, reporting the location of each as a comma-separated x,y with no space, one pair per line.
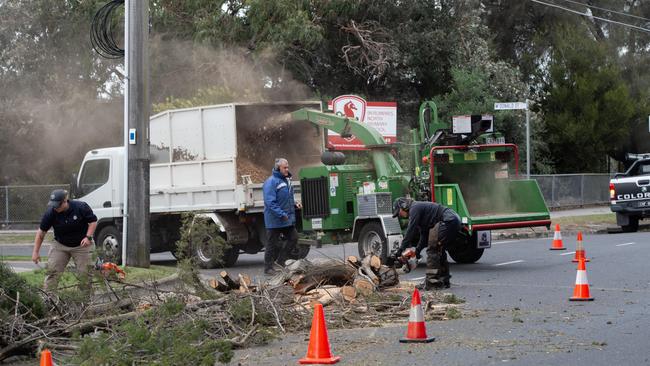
137,238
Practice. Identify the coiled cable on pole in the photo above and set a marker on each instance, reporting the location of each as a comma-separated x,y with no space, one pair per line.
101,31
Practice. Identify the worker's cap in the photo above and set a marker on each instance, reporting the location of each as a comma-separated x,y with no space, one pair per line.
402,203
57,197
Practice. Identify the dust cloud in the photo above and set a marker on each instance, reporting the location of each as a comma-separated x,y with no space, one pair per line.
54,133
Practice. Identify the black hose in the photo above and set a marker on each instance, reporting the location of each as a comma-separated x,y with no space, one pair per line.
101,31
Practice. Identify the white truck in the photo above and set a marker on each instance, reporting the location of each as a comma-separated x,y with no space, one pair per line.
629,193
210,160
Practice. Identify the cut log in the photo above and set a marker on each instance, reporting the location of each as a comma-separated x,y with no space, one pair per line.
354,261
232,285
366,270
375,262
244,283
338,274
363,286
218,285
349,293
329,295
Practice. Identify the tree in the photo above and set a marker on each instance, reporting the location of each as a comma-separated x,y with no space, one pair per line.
587,107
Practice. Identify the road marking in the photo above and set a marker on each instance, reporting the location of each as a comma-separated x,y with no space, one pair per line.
569,253
511,262
415,279
504,242
624,244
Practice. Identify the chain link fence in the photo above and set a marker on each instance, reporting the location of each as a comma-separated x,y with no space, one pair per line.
570,190
25,204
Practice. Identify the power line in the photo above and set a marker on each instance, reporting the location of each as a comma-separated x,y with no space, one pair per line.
592,16
608,10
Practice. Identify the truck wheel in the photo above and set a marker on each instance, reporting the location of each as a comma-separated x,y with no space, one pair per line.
299,252
466,255
373,241
109,244
633,225
204,255
229,258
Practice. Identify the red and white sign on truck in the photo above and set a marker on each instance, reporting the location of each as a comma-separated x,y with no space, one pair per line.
380,115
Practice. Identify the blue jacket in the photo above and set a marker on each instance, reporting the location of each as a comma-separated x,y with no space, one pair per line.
278,201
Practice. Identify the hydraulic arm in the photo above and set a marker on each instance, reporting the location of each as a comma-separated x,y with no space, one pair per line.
385,164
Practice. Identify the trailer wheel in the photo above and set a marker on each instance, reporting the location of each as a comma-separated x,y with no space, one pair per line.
633,225
109,244
466,254
373,241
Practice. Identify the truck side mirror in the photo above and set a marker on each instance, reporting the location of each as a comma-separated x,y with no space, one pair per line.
74,188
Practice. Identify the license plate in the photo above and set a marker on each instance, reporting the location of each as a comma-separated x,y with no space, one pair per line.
644,204
483,239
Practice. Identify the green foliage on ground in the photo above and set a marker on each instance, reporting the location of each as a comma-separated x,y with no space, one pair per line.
14,288
158,336
69,279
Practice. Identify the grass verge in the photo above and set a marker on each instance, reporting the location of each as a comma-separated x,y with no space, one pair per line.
609,218
133,275
22,238
20,258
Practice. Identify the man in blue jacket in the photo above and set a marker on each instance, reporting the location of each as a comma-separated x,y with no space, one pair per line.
279,215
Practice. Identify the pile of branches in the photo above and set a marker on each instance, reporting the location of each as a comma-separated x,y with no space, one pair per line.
142,323
357,292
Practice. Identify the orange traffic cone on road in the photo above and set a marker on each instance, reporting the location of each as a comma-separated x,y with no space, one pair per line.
580,250
318,351
416,332
46,358
557,239
581,290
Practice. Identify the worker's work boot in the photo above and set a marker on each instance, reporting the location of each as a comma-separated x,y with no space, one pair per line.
433,280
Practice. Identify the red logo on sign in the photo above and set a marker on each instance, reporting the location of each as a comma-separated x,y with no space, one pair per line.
350,106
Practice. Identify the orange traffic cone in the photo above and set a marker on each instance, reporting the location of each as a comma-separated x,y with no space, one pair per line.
318,351
416,332
557,239
581,291
46,358
580,250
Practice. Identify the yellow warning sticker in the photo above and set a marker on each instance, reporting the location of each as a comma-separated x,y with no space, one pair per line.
450,196
470,156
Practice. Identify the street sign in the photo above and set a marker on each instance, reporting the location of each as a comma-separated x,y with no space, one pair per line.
509,106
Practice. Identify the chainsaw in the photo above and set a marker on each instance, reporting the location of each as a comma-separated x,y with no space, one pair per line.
106,268
407,261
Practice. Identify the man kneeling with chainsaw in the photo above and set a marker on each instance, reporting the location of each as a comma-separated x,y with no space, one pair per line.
423,216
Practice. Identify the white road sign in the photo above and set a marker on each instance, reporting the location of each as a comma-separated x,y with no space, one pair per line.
509,105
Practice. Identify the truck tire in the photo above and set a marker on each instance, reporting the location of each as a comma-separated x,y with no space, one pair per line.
229,257
109,244
633,225
373,241
203,255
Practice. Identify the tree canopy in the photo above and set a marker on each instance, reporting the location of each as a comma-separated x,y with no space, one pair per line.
585,77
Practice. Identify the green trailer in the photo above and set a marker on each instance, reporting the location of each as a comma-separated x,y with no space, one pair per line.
475,173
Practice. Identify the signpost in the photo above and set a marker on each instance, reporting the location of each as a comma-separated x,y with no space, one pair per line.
524,105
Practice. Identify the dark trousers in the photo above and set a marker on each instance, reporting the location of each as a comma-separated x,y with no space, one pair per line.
436,251
274,252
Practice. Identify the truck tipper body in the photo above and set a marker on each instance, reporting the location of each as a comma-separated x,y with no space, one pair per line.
210,160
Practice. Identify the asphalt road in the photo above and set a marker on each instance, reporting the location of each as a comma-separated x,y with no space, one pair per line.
517,310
